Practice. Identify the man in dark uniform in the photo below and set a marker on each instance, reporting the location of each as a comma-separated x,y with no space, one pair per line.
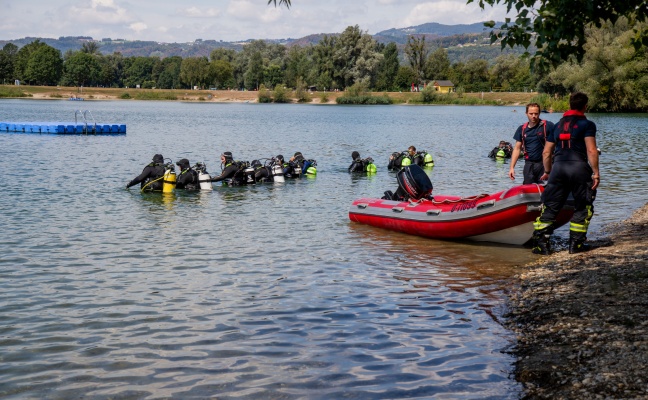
187,178
230,168
575,170
151,177
530,138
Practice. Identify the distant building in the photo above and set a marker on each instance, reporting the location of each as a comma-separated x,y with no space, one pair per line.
443,86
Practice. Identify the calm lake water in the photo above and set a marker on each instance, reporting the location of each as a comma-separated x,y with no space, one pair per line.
265,291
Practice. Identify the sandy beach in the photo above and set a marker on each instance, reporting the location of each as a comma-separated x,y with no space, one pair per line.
582,320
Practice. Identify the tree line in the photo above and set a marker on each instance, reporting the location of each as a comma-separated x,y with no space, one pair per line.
338,62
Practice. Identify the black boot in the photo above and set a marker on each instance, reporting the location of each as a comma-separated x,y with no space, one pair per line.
577,246
541,244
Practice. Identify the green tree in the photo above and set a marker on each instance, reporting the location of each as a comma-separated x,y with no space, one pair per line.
169,73
90,48
44,66
323,67
612,72
221,73
404,78
222,54
355,58
557,28
254,74
111,70
22,59
416,53
511,73
273,75
139,71
388,68
80,69
7,57
437,65
194,71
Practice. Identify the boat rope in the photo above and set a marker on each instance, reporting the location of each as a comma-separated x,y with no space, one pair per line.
448,201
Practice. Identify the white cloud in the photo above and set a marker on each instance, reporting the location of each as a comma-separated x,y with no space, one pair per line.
195,12
451,12
101,11
138,27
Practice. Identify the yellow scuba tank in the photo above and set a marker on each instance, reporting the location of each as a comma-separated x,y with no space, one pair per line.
500,154
406,161
169,180
427,160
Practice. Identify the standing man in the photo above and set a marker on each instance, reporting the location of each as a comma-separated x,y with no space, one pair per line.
575,170
530,138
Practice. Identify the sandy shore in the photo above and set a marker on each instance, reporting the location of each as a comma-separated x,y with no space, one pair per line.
582,320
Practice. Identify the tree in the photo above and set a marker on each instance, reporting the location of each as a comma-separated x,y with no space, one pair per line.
222,54
416,53
194,71
22,58
253,76
354,58
168,76
7,57
90,47
140,72
511,73
388,68
286,2
437,65
612,73
44,66
221,73
323,68
80,69
404,78
557,27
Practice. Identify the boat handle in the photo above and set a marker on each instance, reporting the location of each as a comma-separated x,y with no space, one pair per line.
534,207
485,204
433,212
398,209
362,205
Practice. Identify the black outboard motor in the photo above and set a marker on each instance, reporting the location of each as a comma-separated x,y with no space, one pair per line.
414,182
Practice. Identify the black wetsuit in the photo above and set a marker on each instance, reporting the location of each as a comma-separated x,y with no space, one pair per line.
229,175
358,165
152,172
188,180
571,173
533,141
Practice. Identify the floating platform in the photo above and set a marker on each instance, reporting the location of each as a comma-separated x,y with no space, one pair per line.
62,128
65,128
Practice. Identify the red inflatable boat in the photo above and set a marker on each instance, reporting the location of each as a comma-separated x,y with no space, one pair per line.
503,217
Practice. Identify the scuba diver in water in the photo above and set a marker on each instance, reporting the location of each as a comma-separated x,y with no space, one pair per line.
302,166
151,177
502,151
188,177
409,157
360,164
229,174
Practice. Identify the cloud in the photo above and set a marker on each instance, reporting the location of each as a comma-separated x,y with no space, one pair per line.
102,11
138,27
451,12
244,10
195,12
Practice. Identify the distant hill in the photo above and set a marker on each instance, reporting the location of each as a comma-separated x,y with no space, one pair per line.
437,35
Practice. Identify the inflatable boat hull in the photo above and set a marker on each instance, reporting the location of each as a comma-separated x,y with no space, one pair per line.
504,217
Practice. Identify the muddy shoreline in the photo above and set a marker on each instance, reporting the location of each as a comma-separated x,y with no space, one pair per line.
581,320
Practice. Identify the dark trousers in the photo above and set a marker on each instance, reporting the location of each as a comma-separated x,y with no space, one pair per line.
567,177
533,170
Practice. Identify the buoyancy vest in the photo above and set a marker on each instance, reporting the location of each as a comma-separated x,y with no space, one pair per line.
544,137
565,146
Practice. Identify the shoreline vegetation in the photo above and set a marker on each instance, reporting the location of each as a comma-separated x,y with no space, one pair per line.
287,96
581,320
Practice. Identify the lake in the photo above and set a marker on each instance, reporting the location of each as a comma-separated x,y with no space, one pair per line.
265,291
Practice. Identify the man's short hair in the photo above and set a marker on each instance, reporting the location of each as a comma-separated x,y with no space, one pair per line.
532,105
578,101
412,148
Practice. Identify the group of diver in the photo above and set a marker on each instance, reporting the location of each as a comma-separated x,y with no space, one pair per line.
160,176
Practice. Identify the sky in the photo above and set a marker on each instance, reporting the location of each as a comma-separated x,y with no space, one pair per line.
228,20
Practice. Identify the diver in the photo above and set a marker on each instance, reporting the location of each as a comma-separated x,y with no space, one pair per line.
302,165
360,164
230,171
502,151
409,157
188,177
152,176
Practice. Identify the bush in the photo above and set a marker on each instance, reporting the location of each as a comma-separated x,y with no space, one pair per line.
281,94
12,92
301,92
125,96
264,96
324,97
364,99
551,103
155,96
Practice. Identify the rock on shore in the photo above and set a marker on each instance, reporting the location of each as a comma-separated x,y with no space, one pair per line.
581,320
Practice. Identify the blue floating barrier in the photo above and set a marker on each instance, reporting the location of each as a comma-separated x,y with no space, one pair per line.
70,129
80,129
12,128
122,128
3,127
105,128
114,129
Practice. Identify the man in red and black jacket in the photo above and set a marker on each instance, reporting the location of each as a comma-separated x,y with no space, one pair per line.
575,170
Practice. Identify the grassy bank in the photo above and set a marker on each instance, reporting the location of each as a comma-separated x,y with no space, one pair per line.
89,93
